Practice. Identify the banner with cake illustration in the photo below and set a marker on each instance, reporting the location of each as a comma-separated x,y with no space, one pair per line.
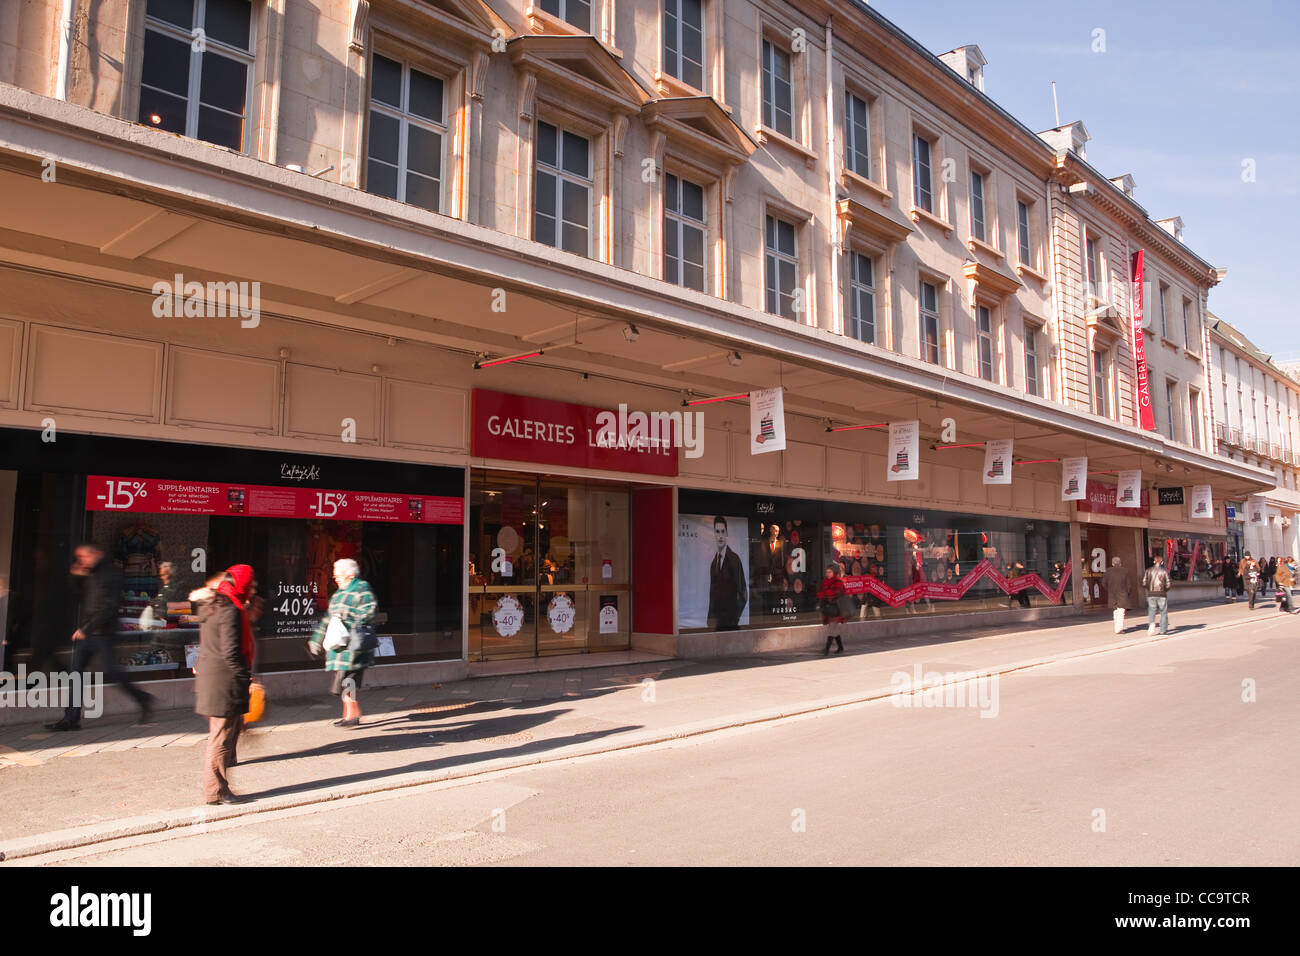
1074,479
997,461
904,459
766,421
1202,501
1128,492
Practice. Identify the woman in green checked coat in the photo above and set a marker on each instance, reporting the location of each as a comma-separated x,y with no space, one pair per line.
353,604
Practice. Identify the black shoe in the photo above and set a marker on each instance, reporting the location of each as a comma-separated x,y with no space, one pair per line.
839,645
64,724
228,799
350,722
146,708
828,647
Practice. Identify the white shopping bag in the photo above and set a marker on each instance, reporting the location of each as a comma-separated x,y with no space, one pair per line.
1119,619
336,635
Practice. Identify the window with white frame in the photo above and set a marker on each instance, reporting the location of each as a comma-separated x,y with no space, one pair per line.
1171,405
857,135
563,190
922,173
984,340
782,267
197,74
928,301
1164,313
684,41
684,232
573,12
1190,340
1032,384
1023,242
1094,278
404,143
1194,417
778,90
862,298
978,226
1101,382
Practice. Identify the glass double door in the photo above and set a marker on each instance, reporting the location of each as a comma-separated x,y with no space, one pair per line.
548,567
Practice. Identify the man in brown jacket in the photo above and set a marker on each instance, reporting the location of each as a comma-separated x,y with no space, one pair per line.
1118,582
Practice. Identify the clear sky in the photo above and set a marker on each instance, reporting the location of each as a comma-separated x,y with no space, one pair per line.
1185,91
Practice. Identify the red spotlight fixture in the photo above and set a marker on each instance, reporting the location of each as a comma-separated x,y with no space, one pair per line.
508,359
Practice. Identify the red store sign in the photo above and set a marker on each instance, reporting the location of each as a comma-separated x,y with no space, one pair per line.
1101,501
170,497
539,430
1145,412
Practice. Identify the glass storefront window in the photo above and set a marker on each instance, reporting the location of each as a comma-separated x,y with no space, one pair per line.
1190,559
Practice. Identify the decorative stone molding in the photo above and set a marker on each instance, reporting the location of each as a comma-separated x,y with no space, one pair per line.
360,19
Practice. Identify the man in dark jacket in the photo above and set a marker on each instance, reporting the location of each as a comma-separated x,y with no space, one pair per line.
101,590
728,590
1250,574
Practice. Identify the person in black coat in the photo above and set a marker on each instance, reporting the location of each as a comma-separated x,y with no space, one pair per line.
101,591
223,673
728,590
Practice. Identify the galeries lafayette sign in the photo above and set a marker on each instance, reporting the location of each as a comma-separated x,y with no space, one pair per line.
546,432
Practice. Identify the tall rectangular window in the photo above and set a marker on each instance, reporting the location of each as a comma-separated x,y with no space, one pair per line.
1094,270
862,298
1101,384
684,41
929,308
563,190
1187,326
977,227
984,336
1194,417
923,195
1031,361
782,268
1170,406
684,233
778,90
573,12
1164,314
1022,232
196,77
407,131
857,135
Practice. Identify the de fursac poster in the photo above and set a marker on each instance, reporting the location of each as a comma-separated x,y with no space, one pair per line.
1074,479
997,461
1128,492
713,571
766,421
1202,501
904,459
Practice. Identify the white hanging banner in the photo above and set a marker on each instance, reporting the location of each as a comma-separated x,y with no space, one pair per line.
1128,492
1074,479
1255,508
766,421
1202,501
904,460
997,461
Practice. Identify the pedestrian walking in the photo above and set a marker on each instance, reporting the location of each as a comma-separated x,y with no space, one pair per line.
1157,583
1118,582
1286,580
1229,579
1270,572
350,649
1250,573
223,673
829,595
100,584
1018,571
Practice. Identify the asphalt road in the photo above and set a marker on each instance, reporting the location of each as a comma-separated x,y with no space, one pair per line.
1142,756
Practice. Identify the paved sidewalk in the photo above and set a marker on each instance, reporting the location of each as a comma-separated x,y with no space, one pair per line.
114,779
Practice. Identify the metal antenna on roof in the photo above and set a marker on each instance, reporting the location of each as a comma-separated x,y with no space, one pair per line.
1055,106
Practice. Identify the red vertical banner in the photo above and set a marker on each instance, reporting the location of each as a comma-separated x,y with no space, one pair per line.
1146,414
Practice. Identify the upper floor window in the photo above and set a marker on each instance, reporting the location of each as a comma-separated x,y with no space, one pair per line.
197,76
1101,383
1032,385
684,41
782,267
1164,313
1187,325
929,309
684,233
563,190
984,337
1171,388
1096,287
857,135
1023,243
922,181
862,298
978,229
1194,417
407,131
778,90
574,12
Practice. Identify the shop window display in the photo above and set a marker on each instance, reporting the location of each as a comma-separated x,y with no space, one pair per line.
1190,559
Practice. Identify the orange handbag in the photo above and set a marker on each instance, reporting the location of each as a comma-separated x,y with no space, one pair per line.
256,703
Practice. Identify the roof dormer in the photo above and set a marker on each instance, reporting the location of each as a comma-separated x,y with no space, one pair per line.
1125,184
1173,226
1072,138
967,62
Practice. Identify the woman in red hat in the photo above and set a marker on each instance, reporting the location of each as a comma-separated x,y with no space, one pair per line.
224,671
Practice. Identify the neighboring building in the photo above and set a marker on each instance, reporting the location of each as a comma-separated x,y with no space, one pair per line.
1258,421
472,226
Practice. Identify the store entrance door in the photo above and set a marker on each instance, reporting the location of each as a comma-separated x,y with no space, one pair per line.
549,566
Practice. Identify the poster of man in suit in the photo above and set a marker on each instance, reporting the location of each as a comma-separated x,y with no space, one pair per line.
714,574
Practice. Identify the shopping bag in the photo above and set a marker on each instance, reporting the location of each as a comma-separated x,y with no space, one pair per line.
362,638
1119,619
336,635
256,703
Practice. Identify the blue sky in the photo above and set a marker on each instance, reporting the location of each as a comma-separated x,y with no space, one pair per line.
1184,92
